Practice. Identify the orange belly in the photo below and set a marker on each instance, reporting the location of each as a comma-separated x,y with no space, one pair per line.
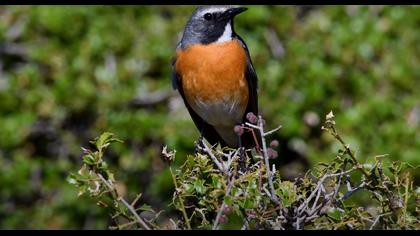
214,83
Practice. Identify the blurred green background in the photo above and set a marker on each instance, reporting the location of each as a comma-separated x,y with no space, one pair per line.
69,73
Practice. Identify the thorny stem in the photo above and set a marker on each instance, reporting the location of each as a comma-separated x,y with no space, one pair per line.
136,199
377,219
348,150
352,190
222,207
316,199
304,205
358,166
214,159
245,225
273,130
257,146
121,199
231,157
120,227
407,186
260,128
225,170
181,201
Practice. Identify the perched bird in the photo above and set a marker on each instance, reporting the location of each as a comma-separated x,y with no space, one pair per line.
214,75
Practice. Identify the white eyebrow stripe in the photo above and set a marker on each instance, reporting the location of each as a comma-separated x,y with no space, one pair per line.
215,9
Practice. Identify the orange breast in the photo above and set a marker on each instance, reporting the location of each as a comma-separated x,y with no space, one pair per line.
213,74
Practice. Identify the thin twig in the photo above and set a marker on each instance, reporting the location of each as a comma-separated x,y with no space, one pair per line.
252,125
377,219
129,207
260,128
245,226
351,154
181,201
214,159
133,203
273,130
120,227
304,205
352,190
231,158
173,224
316,199
266,191
222,207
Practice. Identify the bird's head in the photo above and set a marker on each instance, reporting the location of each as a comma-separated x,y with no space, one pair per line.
209,24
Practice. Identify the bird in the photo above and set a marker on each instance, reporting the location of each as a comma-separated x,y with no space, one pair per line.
214,74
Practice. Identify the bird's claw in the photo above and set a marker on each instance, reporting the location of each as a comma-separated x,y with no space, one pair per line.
198,148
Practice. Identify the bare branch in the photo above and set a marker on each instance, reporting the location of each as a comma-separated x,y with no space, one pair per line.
304,205
222,207
353,190
260,128
273,130
377,219
129,207
213,158
181,201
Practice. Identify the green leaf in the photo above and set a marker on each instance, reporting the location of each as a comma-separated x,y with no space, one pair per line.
199,186
88,159
335,213
248,203
103,166
216,181
71,179
145,207
287,192
189,188
228,200
104,140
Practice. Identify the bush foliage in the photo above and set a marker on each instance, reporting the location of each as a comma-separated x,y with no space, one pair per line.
70,73
210,190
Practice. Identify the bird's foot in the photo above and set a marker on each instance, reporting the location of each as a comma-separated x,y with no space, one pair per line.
242,161
198,149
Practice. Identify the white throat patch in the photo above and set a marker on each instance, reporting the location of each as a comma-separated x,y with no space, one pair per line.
227,34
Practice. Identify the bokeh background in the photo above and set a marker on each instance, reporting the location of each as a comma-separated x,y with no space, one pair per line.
69,73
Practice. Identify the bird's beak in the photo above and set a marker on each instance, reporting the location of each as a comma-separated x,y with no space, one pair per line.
235,11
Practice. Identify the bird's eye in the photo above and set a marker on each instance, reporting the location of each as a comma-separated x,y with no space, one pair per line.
208,16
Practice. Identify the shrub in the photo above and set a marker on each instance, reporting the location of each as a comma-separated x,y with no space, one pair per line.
211,189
